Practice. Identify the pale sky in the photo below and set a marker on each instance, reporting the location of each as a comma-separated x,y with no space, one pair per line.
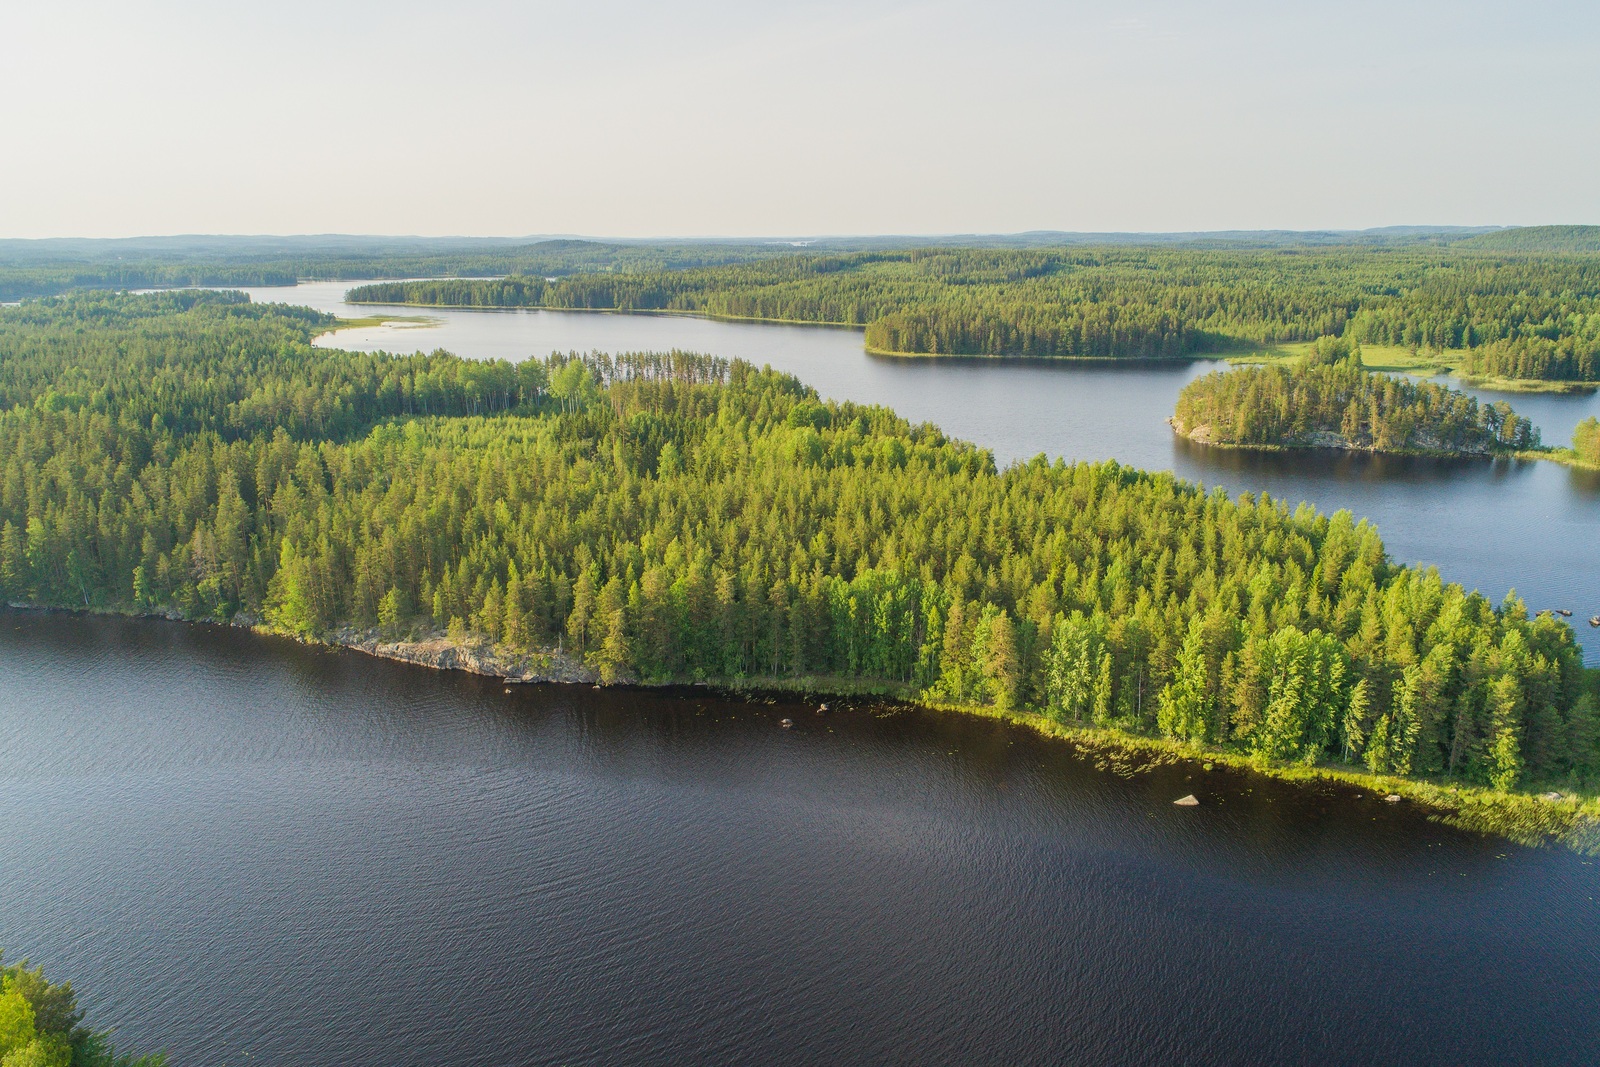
736,118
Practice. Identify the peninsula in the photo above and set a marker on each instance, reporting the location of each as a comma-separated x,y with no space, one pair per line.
667,518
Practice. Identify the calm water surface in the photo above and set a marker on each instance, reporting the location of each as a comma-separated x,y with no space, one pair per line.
248,851
1494,525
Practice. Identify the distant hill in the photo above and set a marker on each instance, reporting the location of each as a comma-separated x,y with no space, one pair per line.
1538,239
301,249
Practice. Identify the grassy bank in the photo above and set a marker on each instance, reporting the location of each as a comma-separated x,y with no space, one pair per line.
413,322
1565,456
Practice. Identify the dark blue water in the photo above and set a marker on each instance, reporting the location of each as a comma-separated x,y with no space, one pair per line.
249,851
1494,525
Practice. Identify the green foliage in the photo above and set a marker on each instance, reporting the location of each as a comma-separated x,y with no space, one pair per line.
1586,441
1329,399
42,1026
676,517
1521,315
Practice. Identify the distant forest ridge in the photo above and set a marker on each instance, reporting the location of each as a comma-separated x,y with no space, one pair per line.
234,248
1522,302
1519,315
30,268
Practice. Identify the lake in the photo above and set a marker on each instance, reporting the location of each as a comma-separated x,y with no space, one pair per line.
246,851
1494,525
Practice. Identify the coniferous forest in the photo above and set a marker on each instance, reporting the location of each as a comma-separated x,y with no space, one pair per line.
673,517
1329,400
1513,314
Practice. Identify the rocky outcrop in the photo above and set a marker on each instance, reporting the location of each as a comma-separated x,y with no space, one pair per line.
474,657
1422,442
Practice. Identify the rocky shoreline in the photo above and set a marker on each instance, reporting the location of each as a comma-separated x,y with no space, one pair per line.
1318,439
1529,819
441,653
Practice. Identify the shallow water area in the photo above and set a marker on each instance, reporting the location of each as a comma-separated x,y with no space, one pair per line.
249,850
1494,525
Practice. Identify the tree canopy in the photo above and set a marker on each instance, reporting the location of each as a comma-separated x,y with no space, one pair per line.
674,517
41,1025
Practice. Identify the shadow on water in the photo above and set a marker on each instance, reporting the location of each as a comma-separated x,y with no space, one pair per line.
246,848
1344,466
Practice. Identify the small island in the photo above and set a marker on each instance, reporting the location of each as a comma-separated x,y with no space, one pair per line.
1330,400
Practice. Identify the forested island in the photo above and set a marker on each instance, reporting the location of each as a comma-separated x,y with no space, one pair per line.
1329,400
41,1025
1500,313
670,517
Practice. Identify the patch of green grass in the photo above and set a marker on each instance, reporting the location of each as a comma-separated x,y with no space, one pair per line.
1565,456
1394,359
1521,385
398,321
1397,359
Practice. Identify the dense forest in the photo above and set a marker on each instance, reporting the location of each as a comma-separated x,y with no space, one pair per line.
676,517
41,1025
1523,316
1329,400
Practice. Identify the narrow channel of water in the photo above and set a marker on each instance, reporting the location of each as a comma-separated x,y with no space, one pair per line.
250,851
1493,525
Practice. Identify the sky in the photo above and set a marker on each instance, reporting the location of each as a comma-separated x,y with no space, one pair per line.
737,118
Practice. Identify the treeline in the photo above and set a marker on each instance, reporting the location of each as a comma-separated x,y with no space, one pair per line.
41,1025
25,277
1539,239
1329,400
1117,302
20,283
671,517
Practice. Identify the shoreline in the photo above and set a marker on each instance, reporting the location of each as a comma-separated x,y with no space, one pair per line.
1233,354
682,312
1200,436
1527,819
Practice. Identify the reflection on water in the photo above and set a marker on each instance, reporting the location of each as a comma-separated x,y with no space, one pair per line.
1495,525
247,850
